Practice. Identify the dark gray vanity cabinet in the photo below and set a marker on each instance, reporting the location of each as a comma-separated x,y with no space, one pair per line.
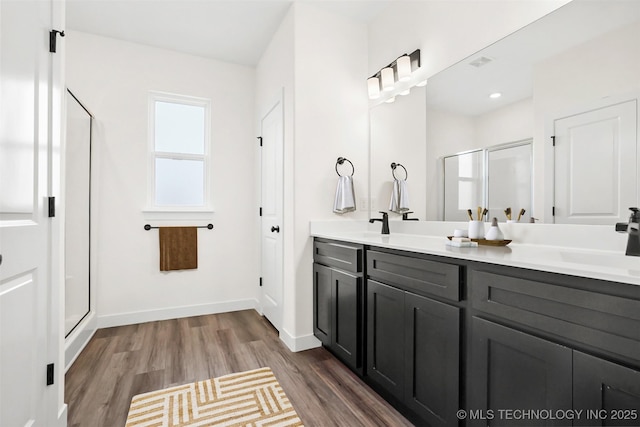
438,335
385,337
338,300
611,389
432,359
413,341
514,370
530,332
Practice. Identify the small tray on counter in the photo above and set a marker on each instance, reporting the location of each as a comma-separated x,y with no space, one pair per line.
485,242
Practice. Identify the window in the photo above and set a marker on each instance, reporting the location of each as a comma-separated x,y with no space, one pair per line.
179,152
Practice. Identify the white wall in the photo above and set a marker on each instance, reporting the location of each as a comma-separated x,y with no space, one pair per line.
113,79
331,108
511,123
322,74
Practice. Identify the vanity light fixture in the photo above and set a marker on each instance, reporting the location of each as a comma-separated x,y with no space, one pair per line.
388,79
422,83
495,95
390,100
399,70
403,64
373,84
405,92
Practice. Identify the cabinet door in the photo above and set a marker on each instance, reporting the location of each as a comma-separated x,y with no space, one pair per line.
432,360
385,337
347,320
512,370
608,393
322,303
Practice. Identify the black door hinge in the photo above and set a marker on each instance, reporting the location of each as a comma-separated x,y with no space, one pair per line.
50,374
52,207
261,281
553,140
260,140
52,39
553,211
260,210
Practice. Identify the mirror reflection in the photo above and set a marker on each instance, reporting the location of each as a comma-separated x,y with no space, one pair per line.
573,75
398,135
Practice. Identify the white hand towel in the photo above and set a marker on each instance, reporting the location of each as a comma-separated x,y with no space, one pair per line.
399,197
345,196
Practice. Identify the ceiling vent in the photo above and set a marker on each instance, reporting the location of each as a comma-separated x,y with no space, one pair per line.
479,62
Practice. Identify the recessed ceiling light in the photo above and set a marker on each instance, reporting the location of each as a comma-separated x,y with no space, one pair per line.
495,95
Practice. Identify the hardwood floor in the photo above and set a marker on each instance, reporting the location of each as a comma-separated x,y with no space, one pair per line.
121,362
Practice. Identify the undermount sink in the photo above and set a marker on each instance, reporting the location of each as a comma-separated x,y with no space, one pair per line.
603,260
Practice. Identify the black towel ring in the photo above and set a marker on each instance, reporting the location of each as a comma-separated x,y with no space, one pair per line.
340,161
393,171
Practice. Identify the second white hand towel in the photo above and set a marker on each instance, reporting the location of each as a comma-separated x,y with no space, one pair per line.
345,196
399,197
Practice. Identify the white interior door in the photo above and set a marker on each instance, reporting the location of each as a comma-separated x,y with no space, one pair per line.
271,224
24,223
596,165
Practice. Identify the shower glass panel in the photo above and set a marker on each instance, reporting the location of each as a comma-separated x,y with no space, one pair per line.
77,211
463,184
509,171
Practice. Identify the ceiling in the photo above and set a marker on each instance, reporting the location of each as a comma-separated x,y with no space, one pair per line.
236,31
464,88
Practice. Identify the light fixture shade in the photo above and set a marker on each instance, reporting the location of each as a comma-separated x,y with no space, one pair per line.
390,100
422,83
373,84
387,79
403,64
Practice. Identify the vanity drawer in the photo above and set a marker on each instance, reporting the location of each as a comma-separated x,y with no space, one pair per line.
605,321
337,254
415,274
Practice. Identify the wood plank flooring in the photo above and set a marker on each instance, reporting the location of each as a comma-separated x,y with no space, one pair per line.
121,362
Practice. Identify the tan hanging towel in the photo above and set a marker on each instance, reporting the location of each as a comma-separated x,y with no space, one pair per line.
178,248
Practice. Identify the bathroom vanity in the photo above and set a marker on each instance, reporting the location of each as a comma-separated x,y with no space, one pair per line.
491,331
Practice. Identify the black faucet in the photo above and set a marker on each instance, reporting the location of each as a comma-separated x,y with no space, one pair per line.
633,229
384,220
405,217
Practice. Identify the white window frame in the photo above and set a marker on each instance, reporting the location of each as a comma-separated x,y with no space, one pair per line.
152,210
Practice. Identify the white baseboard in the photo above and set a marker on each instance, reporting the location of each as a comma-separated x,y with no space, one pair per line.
78,340
302,343
132,318
62,416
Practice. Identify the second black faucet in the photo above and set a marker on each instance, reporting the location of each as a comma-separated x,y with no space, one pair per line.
384,220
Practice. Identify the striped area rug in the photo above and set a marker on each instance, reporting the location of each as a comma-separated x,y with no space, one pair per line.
252,398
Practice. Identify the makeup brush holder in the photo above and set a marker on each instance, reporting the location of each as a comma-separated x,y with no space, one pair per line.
476,229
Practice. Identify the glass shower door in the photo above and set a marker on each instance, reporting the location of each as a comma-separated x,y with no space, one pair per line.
77,211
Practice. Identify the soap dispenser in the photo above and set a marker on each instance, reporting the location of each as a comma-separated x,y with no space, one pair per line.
494,232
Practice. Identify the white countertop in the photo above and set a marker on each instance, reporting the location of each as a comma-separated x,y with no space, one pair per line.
591,263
